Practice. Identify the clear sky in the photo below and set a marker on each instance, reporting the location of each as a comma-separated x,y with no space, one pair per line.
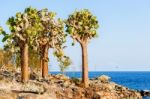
124,33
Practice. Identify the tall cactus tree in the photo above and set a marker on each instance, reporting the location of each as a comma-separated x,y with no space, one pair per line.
52,36
24,27
82,26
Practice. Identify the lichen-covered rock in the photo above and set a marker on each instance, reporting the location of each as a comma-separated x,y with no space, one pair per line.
104,78
61,77
33,88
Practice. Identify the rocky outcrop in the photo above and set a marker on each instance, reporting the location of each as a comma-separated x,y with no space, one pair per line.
61,87
144,92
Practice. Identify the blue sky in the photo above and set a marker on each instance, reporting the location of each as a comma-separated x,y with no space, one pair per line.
124,33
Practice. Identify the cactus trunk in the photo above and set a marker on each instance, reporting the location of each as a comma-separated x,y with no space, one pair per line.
24,63
45,62
84,65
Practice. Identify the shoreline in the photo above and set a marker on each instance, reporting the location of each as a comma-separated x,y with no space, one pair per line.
61,87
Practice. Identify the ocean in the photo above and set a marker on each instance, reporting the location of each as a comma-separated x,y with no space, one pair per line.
133,80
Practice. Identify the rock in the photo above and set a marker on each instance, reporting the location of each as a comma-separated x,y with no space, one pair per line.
8,96
75,80
104,78
67,83
17,77
7,74
34,76
109,86
62,77
118,88
145,92
1,77
61,87
74,89
33,88
97,95
59,81
34,96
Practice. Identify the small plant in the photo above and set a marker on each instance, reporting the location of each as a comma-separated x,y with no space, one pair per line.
64,63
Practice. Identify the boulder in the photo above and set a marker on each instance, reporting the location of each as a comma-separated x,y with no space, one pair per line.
104,78
145,92
31,87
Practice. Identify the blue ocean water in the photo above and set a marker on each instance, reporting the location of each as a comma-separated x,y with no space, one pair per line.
133,80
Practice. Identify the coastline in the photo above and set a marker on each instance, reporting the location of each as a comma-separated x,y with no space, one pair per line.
61,87
132,80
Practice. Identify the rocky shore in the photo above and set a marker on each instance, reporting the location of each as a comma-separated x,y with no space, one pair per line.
61,87
144,92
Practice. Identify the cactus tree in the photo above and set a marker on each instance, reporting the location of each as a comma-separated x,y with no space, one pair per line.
82,26
52,36
24,28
